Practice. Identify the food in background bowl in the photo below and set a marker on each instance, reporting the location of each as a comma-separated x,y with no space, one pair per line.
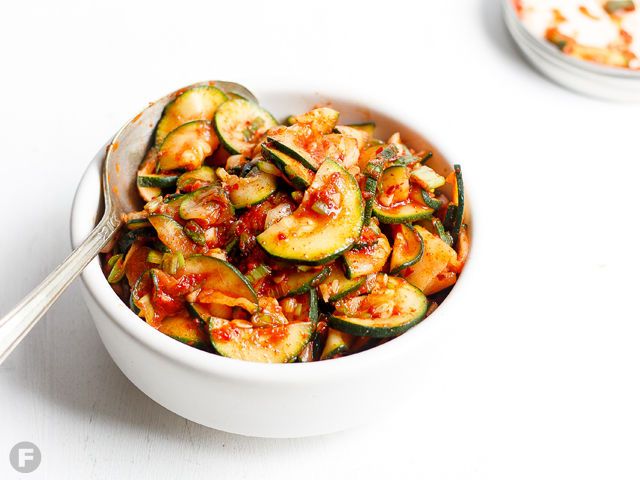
601,31
304,241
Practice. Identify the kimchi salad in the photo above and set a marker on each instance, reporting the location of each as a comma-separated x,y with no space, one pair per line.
601,31
278,242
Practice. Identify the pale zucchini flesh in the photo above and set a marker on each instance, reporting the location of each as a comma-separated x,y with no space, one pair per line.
240,124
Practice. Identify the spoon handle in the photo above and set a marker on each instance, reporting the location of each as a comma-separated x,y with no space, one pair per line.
15,325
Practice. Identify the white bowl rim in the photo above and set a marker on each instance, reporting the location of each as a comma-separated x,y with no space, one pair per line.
584,65
105,297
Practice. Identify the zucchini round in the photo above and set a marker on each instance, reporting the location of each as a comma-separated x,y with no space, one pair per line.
337,344
198,103
300,176
296,283
337,286
403,213
407,248
314,239
322,119
148,167
276,344
187,146
158,180
252,189
186,330
220,276
198,178
302,143
306,307
240,124
363,261
397,306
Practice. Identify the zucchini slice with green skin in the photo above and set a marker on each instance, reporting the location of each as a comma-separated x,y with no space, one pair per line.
296,283
252,189
337,344
186,330
337,286
198,103
369,195
442,233
138,223
276,344
310,238
299,175
172,235
407,249
366,260
209,204
397,306
361,136
403,213
220,276
296,140
459,214
204,311
430,201
158,180
198,178
148,167
240,124
186,147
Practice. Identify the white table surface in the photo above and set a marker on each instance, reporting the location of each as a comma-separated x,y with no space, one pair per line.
538,380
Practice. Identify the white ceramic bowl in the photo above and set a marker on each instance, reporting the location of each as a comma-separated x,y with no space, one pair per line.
589,78
290,400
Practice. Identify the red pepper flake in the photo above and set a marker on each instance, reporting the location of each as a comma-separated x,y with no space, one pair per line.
281,236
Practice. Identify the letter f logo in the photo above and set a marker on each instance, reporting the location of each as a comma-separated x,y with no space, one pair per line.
24,454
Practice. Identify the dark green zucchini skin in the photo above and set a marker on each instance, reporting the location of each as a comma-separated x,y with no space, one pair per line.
300,176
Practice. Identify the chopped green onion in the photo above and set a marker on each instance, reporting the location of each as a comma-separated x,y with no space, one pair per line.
117,268
231,245
155,257
258,273
171,262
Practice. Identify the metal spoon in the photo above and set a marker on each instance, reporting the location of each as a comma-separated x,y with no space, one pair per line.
124,154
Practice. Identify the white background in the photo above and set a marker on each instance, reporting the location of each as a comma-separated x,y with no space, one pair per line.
535,376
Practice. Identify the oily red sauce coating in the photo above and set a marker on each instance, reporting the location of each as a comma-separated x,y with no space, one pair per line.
263,337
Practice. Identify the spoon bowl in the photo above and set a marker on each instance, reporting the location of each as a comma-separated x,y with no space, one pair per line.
119,177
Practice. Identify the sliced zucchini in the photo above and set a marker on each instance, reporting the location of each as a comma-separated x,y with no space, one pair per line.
442,233
204,311
158,180
390,309
458,193
186,330
256,187
403,213
276,344
429,201
198,103
240,124
368,127
342,149
172,235
148,167
186,147
427,178
300,176
407,248
369,196
369,259
220,276
337,344
323,120
337,286
198,178
138,223
296,283
312,238
209,204
302,143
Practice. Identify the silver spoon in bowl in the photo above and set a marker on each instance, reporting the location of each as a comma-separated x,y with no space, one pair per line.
119,175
